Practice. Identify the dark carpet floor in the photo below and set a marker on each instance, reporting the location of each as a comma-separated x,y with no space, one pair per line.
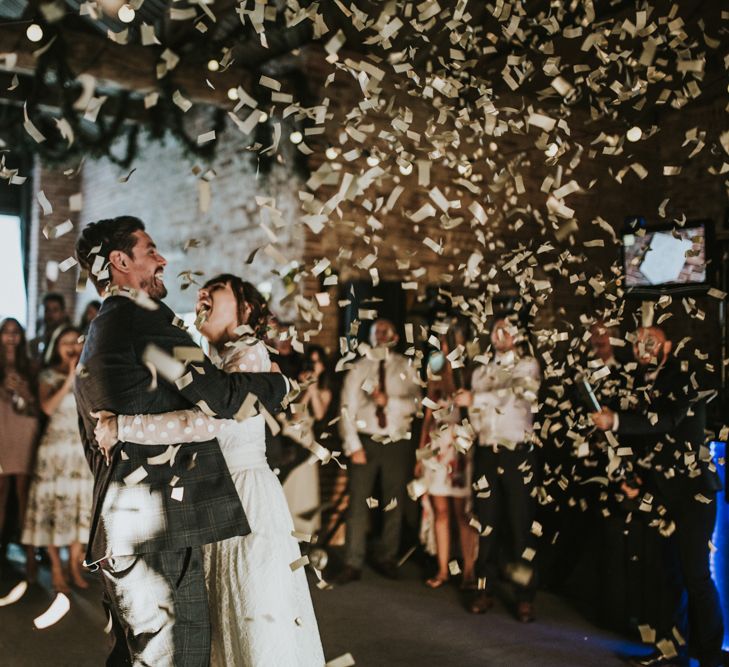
377,621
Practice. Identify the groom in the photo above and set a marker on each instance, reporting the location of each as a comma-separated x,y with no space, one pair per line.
154,506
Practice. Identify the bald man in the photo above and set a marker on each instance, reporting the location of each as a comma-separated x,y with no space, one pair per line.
670,420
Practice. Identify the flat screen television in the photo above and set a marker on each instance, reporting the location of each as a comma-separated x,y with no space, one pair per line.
665,256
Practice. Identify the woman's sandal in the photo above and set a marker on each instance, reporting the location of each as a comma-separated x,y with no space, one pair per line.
435,582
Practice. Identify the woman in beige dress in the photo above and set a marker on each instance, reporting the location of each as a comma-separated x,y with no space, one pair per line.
59,505
18,422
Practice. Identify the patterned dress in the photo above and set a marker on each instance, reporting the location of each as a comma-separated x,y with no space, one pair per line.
261,613
61,490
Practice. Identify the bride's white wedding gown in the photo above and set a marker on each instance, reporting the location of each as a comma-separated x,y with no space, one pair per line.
260,610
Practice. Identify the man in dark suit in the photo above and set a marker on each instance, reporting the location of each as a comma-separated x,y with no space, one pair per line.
670,418
153,507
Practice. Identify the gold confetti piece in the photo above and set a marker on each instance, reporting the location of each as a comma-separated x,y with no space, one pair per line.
181,102
345,660
454,568
372,503
391,505
15,594
206,137
177,493
301,537
647,634
31,129
53,232
44,203
667,648
299,562
136,476
66,264
166,365
58,609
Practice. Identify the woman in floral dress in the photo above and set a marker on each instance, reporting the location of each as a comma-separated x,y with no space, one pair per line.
59,506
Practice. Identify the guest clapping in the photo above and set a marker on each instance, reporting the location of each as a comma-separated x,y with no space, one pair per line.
59,506
18,422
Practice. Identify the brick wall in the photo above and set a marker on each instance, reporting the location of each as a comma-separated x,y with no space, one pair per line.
165,193
58,189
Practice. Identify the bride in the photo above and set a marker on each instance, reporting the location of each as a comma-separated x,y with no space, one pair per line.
260,607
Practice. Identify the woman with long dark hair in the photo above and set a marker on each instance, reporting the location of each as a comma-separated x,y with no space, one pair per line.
59,506
18,422
260,606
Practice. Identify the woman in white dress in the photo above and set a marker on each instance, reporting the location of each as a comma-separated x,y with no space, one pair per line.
260,607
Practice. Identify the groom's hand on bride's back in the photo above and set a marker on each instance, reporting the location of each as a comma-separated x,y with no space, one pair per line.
106,432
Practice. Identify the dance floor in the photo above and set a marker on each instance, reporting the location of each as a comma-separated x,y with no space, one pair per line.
377,621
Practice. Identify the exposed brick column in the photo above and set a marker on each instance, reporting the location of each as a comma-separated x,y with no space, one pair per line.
58,189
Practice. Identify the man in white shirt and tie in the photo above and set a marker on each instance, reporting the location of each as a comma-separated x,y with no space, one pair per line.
380,395
501,401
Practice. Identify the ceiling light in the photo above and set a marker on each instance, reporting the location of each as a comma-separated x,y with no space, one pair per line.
34,32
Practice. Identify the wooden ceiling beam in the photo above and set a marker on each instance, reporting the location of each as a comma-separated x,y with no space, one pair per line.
128,67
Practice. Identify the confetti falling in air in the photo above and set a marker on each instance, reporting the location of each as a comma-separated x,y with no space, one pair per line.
58,609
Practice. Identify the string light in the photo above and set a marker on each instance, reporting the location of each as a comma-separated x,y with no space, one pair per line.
263,117
34,32
634,133
296,137
331,153
232,94
213,65
126,13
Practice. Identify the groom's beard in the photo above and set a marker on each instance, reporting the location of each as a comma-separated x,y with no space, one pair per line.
155,288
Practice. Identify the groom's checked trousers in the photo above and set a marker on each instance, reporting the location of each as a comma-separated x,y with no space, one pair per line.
162,608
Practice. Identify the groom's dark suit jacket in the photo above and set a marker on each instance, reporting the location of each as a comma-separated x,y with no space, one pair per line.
134,509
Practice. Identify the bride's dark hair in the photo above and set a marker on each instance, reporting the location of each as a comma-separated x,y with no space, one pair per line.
246,294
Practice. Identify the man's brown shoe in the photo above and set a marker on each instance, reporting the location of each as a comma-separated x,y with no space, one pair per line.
525,612
481,603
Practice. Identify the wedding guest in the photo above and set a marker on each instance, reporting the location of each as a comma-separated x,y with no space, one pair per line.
288,359
307,424
54,317
18,423
669,417
379,398
89,314
446,472
59,506
503,393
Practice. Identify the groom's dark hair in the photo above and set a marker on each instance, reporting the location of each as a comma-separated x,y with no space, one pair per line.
101,238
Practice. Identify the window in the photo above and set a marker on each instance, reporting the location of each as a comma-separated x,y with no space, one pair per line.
12,281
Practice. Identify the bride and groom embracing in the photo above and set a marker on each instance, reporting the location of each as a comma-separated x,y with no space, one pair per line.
190,527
